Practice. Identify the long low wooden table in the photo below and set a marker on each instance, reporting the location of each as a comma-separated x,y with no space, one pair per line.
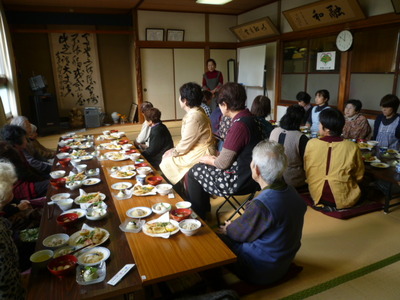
160,259
156,259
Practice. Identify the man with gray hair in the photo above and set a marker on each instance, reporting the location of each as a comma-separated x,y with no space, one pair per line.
267,236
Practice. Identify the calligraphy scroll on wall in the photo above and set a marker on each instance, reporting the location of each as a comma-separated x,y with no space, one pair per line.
76,70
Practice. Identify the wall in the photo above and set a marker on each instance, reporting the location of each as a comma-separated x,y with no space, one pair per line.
32,55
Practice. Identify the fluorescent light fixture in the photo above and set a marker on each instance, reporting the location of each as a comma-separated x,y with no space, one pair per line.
213,2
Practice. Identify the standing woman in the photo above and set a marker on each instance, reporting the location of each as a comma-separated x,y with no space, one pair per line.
230,172
212,80
196,136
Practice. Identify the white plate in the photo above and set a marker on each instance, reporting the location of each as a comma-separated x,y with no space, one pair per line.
86,157
380,165
152,193
121,185
376,160
60,196
139,222
173,222
74,237
165,207
147,211
392,151
102,250
91,181
115,175
81,212
101,271
113,147
102,197
128,168
121,156
56,240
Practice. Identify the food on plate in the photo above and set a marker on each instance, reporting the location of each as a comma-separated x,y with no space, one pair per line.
121,193
123,173
90,198
160,227
128,168
392,151
372,158
55,242
161,206
142,189
138,213
132,225
116,156
122,186
77,177
97,213
78,153
380,165
89,274
87,237
363,145
91,181
113,147
92,172
92,257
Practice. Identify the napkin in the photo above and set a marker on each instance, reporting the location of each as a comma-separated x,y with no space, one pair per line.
71,174
82,193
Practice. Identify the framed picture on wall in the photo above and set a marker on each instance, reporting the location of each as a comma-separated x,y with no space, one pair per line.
176,35
154,34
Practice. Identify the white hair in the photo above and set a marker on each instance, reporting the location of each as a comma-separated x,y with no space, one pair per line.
7,179
19,121
270,158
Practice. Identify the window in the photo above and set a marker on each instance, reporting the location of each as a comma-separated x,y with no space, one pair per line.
300,71
7,93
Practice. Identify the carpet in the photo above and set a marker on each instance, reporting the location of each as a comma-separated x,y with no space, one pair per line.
358,210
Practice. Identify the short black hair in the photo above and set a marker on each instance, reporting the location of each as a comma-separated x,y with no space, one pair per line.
213,61
332,119
293,117
13,134
390,100
261,106
356,103
303,96
233,95
192,93
323,93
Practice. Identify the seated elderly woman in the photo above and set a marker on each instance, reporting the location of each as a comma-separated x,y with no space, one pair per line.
267,236
32,156
229,173
356,126
31,183
333,166
196,136
10,279
295,142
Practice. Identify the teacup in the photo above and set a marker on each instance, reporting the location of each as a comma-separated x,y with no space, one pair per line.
81,168
65,204
141,179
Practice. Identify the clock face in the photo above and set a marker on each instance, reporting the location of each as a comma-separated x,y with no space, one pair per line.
344,40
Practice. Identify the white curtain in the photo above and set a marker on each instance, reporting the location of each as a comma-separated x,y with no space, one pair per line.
8,90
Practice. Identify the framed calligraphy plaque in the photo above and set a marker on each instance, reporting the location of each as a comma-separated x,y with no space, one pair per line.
76,70
323,13
257,29
175,35
154,34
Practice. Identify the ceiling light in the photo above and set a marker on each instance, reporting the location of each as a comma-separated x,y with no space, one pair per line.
213,2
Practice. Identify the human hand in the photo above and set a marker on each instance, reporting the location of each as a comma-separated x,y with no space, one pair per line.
222,228
208,159
24,204
168,153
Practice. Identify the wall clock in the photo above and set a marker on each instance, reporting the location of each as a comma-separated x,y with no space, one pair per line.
344,40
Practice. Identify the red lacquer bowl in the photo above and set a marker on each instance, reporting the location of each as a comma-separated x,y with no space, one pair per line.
58,182
180,214
63,265
64,161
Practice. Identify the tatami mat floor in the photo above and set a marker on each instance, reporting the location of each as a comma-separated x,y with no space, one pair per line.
330,248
